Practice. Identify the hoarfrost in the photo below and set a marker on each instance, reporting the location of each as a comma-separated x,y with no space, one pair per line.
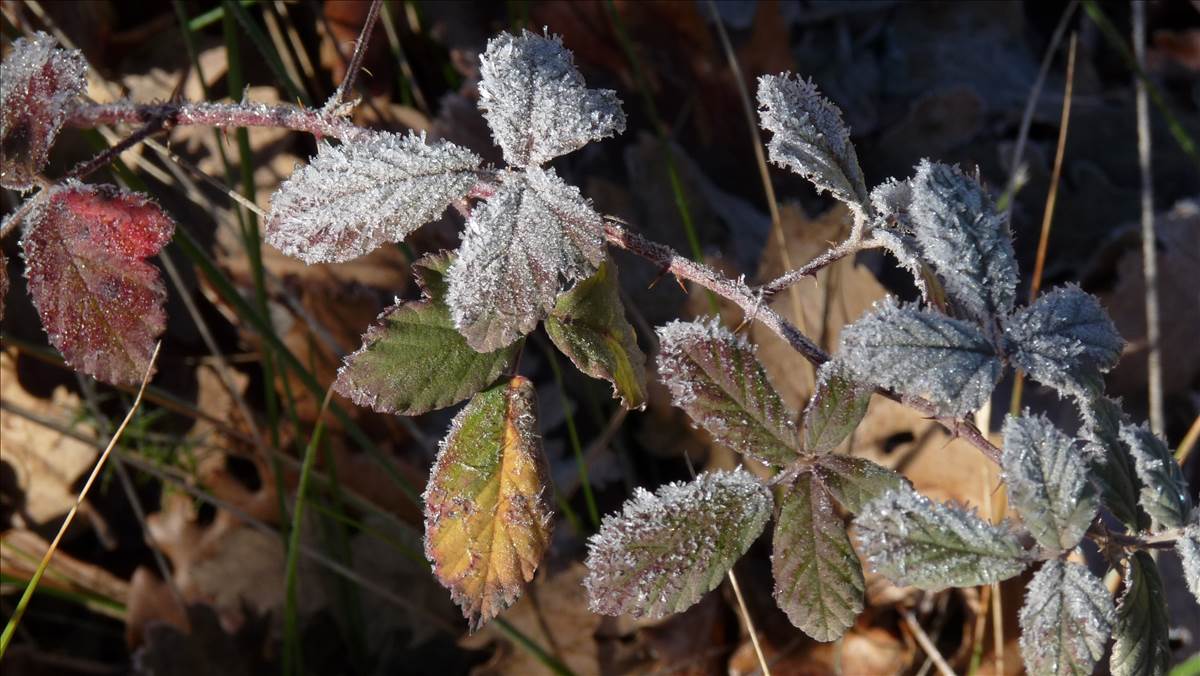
1066,620
1188,548
1165,494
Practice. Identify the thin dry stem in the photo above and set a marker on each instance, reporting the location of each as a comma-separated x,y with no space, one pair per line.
356,61
927,645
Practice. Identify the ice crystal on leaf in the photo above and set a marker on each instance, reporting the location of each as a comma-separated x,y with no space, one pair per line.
37,83
413,360
1047,480
810,138
668,548
837,406
487,515
1142,646
536,103
1112,466
1066,340
922,353
818,579
854,482
1188,548
1065,621
100,302
1165,494
965,240
534,235
914,541
716,378
354,197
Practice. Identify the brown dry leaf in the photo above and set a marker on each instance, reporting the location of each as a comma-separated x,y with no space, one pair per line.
555,615
151,600
21,551
46,463
868,650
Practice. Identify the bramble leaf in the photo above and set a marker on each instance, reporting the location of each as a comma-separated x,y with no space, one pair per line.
588,324
487,517
965,240
1165,494
716,378
1047,480
413,360
915,541
1112,466
1188,548
1065,340
818,579
810,138
354,197
37,83
668,548
536,103
837,407
923,353
854,482
101,303
535,233
1142,646
1066,620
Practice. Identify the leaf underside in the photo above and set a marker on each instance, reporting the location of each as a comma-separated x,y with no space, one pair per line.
100,302
668,548
1165,493
1142,646
588,324
413,360
352,198
532,237
487,518
922,353
1048,483
1066,620
818,579
915,541
716,378
37,83
837,407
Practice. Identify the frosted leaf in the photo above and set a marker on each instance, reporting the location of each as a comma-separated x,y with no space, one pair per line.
715,376
101,303
354,197
818,579
1112,466
1165,494
588,324
413,360
837,407
810,138
1066,620
487,515
535,234
1188,548
907,253
965,240
854,481
1142,646
668,548
892,200
38,82
914,541
536,103
1047,479
1065,340
922,353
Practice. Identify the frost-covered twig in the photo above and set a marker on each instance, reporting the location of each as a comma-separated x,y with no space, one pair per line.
811,268
282,115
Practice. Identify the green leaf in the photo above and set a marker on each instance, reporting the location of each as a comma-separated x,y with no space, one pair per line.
1165,494
487,518
716,378
1048,483
853,482
667,549
588,324
835,410
1066,620
915,541
413,360
818,579
1112,466
1141,647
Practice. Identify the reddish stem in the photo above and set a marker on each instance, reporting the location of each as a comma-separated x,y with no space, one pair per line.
284,116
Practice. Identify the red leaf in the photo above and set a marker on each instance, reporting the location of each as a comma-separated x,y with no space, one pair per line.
38,82
100,302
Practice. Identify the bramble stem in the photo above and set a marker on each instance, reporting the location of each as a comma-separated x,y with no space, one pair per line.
187,113
811,268
356,61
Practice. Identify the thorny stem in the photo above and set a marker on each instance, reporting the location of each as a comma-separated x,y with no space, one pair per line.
755,306
356,61
810,269
1163,540
187,113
